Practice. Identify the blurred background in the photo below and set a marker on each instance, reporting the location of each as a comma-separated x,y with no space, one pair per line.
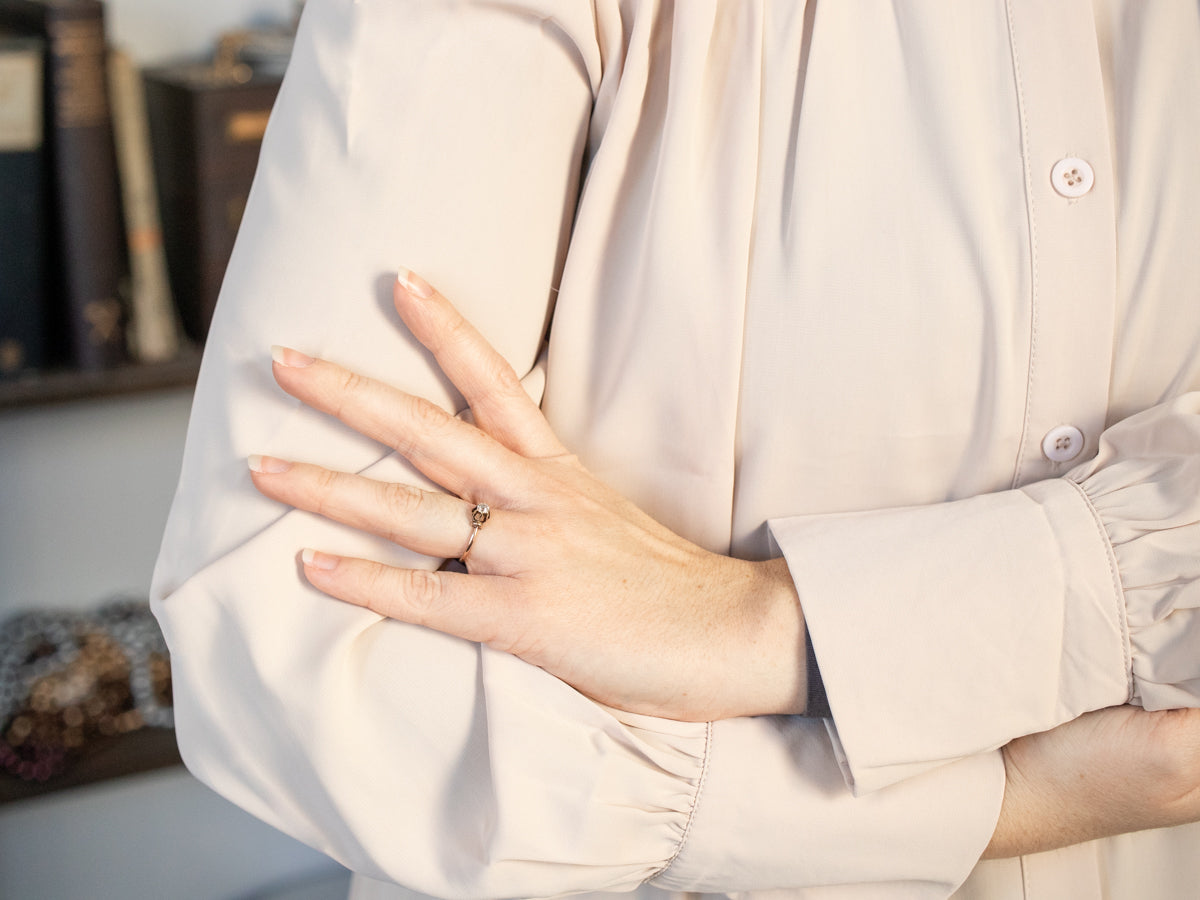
158,31
98,355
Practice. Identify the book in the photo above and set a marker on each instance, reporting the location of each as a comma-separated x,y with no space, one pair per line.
23,323
153,326
207,125
87,257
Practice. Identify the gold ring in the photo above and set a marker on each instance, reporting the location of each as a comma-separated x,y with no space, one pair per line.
479,516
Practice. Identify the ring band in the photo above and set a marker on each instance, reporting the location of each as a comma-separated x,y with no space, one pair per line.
479,516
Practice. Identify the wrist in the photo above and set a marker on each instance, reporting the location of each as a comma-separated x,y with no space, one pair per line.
776,670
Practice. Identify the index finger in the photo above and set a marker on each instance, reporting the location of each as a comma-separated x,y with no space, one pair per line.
484,377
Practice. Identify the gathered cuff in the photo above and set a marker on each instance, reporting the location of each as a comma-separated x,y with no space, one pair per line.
408,755
774,812
1145,490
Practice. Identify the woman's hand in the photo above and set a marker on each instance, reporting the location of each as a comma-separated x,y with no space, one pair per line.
1108,772
565,574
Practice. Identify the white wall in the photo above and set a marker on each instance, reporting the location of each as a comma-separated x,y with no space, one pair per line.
84,493
157,31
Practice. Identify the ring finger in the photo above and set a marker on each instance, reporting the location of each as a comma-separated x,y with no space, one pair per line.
429,522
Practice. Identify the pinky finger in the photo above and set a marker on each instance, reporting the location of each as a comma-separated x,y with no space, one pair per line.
473,607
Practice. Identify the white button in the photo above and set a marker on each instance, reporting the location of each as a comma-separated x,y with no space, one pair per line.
1062,444
1072,177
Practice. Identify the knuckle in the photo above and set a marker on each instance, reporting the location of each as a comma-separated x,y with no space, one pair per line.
350,381
347,386
458,331
424,595
402,500
496,376
504,380
422,418
376,588
324,488
428,415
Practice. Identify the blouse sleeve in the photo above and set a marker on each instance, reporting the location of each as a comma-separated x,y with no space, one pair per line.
1060,597
448,137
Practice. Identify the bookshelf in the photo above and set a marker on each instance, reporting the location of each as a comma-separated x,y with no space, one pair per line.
64,385
131,182
129,754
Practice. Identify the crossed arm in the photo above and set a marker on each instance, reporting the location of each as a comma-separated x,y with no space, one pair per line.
574,579
566,575
406,754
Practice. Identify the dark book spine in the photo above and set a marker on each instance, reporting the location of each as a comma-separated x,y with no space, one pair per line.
88,259
173,137
207,135
23,321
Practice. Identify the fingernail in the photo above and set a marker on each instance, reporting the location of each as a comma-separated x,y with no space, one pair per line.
414,284
269,465
316,560
293,359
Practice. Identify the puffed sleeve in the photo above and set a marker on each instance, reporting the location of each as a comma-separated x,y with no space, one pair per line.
1064,596
448,137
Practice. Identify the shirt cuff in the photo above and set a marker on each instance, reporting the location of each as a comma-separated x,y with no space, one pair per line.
1144,486
944,631
407,755
774,812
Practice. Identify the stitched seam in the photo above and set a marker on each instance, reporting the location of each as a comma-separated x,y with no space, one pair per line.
687,829
1118,588
1033,248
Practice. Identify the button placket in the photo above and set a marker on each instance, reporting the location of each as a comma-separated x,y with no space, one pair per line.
1072,228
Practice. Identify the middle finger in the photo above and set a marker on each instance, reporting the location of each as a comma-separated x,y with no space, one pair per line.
454,454
428,522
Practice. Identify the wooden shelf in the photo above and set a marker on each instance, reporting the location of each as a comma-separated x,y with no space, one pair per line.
61,386
139,751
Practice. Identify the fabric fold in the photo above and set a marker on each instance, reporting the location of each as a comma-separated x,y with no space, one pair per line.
405,754
1145,488
740,832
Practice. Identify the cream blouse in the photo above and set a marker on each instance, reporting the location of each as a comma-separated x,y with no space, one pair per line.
907,292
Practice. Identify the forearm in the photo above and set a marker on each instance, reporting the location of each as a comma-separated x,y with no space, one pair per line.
760,667
1109,772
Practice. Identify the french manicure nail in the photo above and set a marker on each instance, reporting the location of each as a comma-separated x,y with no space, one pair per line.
269,465
316,560
414,284
293,359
